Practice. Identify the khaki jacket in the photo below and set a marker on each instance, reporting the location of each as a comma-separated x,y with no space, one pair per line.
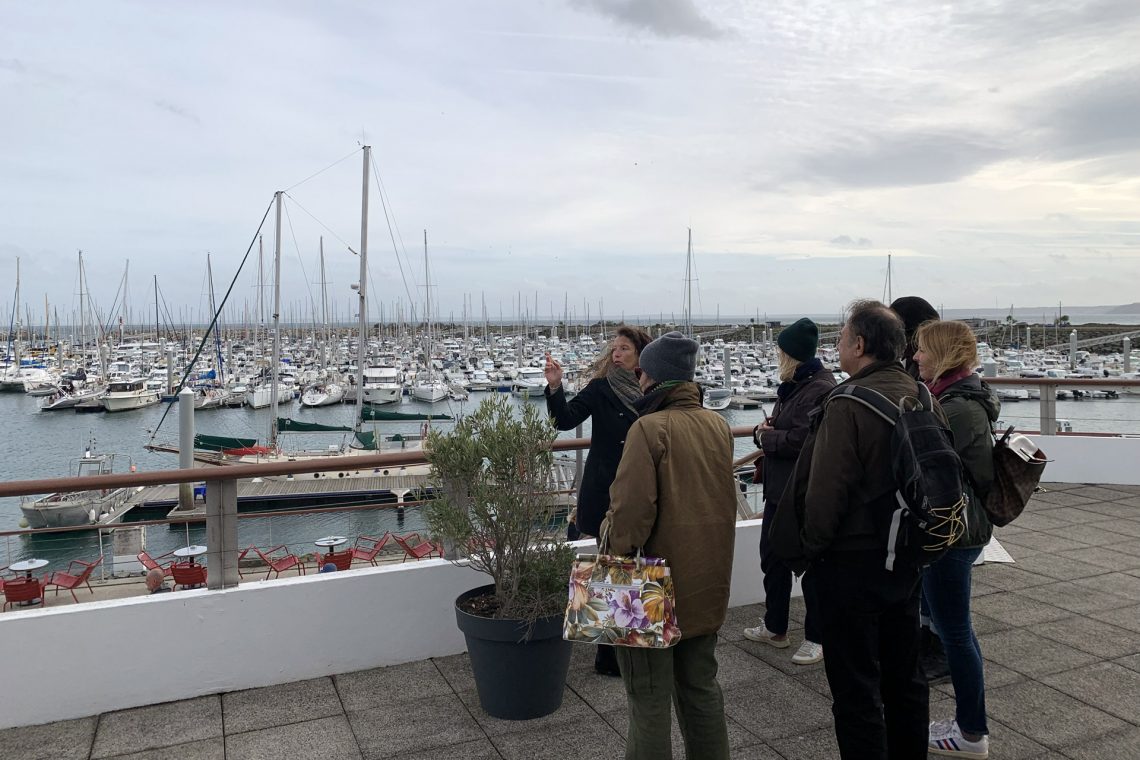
674,495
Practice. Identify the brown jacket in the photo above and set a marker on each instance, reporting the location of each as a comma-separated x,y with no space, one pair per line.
674,495
844,474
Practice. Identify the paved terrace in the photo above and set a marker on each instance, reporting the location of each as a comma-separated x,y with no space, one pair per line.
1060,632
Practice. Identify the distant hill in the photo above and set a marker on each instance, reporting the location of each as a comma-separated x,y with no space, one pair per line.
1132,308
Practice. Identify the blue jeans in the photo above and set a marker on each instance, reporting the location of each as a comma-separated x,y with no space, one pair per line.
946,588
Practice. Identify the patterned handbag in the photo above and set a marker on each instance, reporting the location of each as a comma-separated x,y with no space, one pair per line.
621,601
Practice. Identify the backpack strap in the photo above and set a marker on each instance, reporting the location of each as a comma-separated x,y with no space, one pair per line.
872,399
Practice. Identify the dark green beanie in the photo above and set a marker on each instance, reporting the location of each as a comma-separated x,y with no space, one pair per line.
799,339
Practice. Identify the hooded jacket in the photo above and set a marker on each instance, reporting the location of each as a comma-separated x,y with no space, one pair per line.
782,444
674,496
972,409
609,423
843,481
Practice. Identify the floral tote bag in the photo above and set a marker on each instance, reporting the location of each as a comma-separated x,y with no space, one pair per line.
622,601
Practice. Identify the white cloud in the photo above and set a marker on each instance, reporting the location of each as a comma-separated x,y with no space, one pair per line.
565,147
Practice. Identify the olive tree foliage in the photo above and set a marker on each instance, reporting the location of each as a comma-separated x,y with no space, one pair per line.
492,472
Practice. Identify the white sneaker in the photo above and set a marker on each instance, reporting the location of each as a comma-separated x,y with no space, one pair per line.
809,653
763,635
946,739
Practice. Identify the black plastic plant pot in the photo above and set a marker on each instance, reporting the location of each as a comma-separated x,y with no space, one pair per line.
518,677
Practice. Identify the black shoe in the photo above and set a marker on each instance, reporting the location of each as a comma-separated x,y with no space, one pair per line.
605,662
933,660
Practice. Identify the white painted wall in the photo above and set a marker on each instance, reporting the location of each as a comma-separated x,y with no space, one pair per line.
1091,459
90,658
79,660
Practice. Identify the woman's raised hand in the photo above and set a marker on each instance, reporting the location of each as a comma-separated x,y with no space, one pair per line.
553,372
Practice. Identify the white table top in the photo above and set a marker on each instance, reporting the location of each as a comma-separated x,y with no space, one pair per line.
28,565
331,541
189,551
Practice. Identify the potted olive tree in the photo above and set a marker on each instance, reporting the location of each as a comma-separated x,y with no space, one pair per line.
492,473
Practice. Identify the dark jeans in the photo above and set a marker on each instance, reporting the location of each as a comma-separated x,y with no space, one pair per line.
870,637
682,677
946,588
778,587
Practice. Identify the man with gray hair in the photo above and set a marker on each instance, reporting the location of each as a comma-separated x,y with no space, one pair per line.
834,516
674,496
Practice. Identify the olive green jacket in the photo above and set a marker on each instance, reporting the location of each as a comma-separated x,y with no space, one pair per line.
674,495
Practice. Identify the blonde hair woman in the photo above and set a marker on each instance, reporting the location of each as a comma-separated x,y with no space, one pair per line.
946,354
608,402
803,381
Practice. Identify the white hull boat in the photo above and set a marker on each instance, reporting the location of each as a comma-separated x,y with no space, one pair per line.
125,395
717,399
388,393
66,510
429,392
323,395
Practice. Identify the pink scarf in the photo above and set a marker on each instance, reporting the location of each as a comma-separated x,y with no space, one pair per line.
940,384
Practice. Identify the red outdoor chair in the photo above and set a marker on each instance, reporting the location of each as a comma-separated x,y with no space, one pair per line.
78,574
367,547
342,560
150,563
275,564
415,546
188,575
22,590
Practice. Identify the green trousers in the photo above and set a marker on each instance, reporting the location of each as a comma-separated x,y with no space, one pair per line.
683,676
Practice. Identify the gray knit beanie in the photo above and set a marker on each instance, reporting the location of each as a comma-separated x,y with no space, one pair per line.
670,357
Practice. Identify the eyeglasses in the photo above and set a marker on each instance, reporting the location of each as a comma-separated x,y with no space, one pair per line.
637,372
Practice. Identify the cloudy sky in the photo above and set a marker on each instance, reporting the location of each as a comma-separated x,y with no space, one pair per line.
563,147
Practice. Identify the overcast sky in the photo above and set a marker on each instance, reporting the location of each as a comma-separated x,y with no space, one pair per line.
564,147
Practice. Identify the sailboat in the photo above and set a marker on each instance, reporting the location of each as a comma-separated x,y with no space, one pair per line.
428,388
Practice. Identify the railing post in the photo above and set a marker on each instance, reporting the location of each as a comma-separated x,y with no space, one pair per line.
221,534
578,460
1048,409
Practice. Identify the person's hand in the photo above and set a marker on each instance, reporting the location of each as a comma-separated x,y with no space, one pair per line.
553,372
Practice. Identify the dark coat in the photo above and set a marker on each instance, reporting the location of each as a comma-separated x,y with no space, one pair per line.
674,495
972,408
790,426
609,423
842,477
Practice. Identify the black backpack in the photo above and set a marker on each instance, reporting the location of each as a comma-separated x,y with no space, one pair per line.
928,511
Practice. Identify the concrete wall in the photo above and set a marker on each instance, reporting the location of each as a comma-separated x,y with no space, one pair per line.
79,660
68,662
1091,459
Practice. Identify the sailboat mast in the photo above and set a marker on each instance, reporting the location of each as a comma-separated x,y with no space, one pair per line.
276,360
362,288
689,286
82,312
324,307
427,313
157,331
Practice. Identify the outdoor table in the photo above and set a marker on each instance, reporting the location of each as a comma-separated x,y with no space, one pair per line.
330,542
190,551
28,566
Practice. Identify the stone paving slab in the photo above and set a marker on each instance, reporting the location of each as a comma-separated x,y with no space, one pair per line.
1048,716
157,726
255,709
1059,631
324,738
205,749
62,740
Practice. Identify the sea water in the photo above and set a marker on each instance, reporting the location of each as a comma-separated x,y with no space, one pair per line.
39,444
